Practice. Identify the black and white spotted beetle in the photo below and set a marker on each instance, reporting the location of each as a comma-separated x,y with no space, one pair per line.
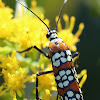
63,67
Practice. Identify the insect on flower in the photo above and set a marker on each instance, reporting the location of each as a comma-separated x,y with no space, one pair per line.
63,67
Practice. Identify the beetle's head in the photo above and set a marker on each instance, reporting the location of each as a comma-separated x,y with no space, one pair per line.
52,34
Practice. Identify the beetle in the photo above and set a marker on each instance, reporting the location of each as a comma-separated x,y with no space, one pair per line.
63,67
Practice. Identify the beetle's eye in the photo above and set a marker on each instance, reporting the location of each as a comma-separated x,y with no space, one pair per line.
48,35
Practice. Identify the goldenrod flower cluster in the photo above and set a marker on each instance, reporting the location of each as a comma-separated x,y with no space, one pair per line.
21,32
14,76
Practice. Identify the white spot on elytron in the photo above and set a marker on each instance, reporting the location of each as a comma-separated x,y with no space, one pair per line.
60,85
66,98
57,63
53,58
70,78
57,45
66,83
68,52
68,72
70,93
57,55
74,99
69,58
58,77
77,96
61,73
63,59
63,54
64,77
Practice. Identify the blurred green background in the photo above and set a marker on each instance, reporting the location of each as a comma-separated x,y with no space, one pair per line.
88,12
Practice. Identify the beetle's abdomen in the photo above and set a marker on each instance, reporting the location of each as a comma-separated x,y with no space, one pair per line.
66,80
64,71
67,85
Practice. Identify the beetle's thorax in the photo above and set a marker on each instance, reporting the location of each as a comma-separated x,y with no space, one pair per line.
52,34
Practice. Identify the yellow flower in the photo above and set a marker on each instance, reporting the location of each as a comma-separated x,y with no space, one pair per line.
15,82
14,76
9,63
46,85
26,33
47,81
5,21
30,29
2,4
83,75
67,35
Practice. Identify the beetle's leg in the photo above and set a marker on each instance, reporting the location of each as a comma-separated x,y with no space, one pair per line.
35,47
77,63
57,96
75,54
38,74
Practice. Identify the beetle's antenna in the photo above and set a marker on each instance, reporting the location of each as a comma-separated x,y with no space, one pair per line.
60,13
34,14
